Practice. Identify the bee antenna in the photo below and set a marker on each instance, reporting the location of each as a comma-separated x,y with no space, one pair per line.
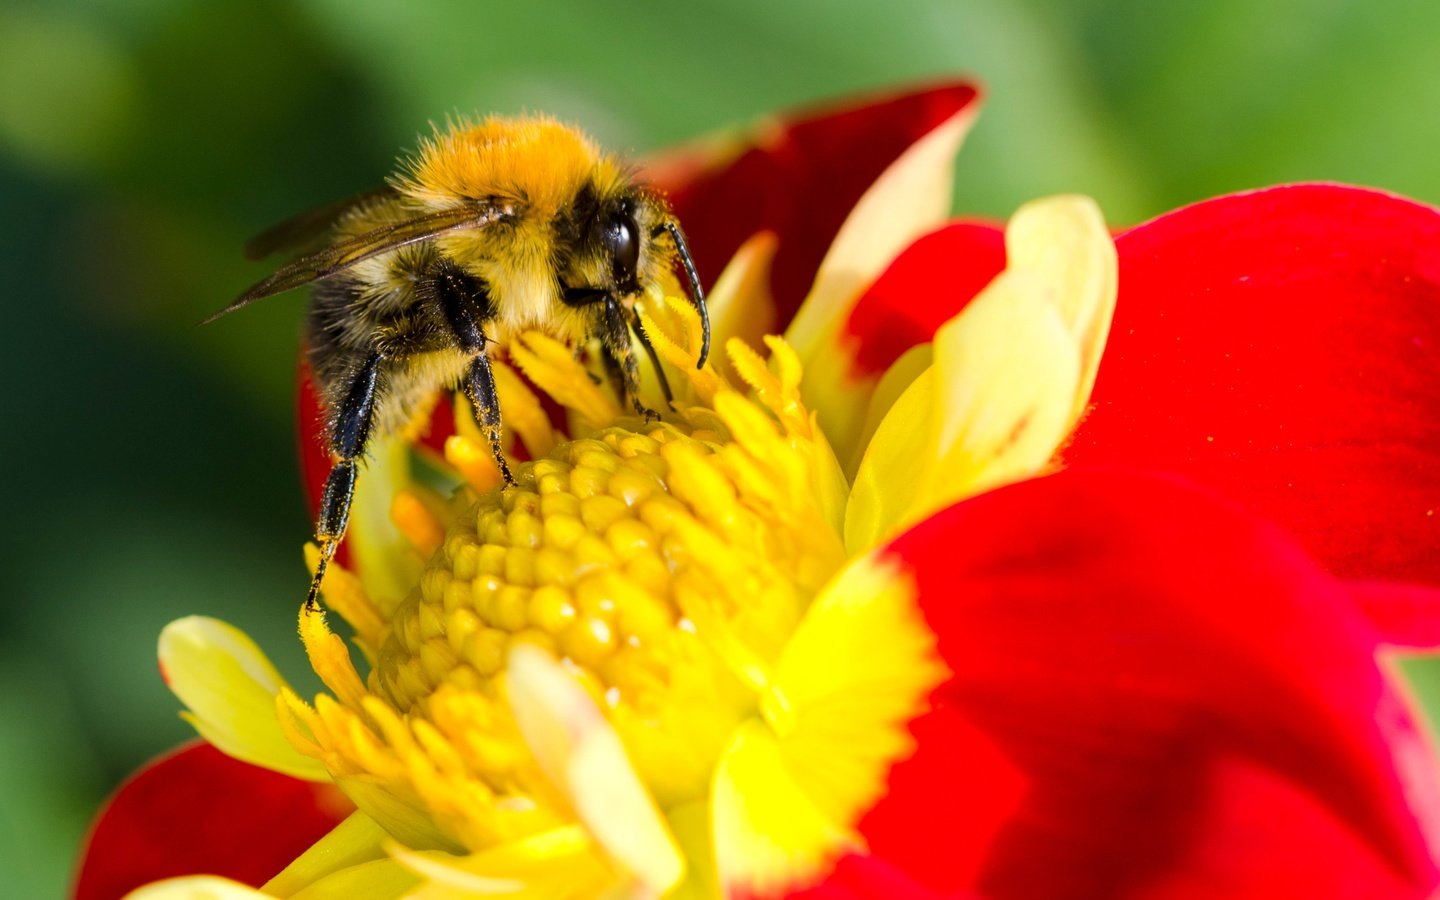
696,292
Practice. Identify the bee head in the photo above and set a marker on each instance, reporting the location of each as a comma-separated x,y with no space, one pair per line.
621,242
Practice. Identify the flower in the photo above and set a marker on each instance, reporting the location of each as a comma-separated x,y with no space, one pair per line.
874,650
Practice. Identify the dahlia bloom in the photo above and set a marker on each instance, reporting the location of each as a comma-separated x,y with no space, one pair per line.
977,582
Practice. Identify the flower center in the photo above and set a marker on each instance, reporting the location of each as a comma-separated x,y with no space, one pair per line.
665,564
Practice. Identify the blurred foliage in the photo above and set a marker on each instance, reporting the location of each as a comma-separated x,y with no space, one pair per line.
150,464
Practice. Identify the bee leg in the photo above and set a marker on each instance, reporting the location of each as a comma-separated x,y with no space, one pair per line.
480,391
649,348
616,339
349,433
465,303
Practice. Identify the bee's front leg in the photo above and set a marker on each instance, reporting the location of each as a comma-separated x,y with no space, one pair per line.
348,434
644,339
615,338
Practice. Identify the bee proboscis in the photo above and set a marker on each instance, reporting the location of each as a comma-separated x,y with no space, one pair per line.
492,228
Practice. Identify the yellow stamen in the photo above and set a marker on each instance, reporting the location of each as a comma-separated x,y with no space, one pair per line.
420,524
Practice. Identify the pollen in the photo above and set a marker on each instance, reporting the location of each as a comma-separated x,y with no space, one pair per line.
664,563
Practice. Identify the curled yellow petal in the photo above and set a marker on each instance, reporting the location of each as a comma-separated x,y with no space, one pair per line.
1064,241
583,756
987,411
229,687
1002,406
1011,375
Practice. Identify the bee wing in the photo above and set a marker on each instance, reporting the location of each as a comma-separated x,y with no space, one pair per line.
310,224
340,256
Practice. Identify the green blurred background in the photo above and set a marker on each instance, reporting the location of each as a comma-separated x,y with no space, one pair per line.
150,465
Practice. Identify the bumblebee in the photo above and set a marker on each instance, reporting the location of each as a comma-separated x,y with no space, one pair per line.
491,228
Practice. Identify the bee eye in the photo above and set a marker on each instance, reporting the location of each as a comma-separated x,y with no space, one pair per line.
622,242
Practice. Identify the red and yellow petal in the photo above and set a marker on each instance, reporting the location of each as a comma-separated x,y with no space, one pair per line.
797,175
1276,345
923,288
909,199
197,811
1283,347
990,410
1154,695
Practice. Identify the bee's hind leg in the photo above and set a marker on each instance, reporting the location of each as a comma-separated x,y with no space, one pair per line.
480,391
349,432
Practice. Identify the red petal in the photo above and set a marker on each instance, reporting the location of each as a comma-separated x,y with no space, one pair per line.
799,178
1284,347
1154,695
928,283
1404,615
197,811
870,878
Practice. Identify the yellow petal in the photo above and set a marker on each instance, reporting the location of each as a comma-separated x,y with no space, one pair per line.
789,793
740,303
408,821
583,756
196,887
552,366
230,687
1002,405
564,862
354,841
911,198
768,832
893,471
993,408
1012,373
381,879
896,380
1064,241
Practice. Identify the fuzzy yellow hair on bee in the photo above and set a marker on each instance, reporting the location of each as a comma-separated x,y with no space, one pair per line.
535,157
491,227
